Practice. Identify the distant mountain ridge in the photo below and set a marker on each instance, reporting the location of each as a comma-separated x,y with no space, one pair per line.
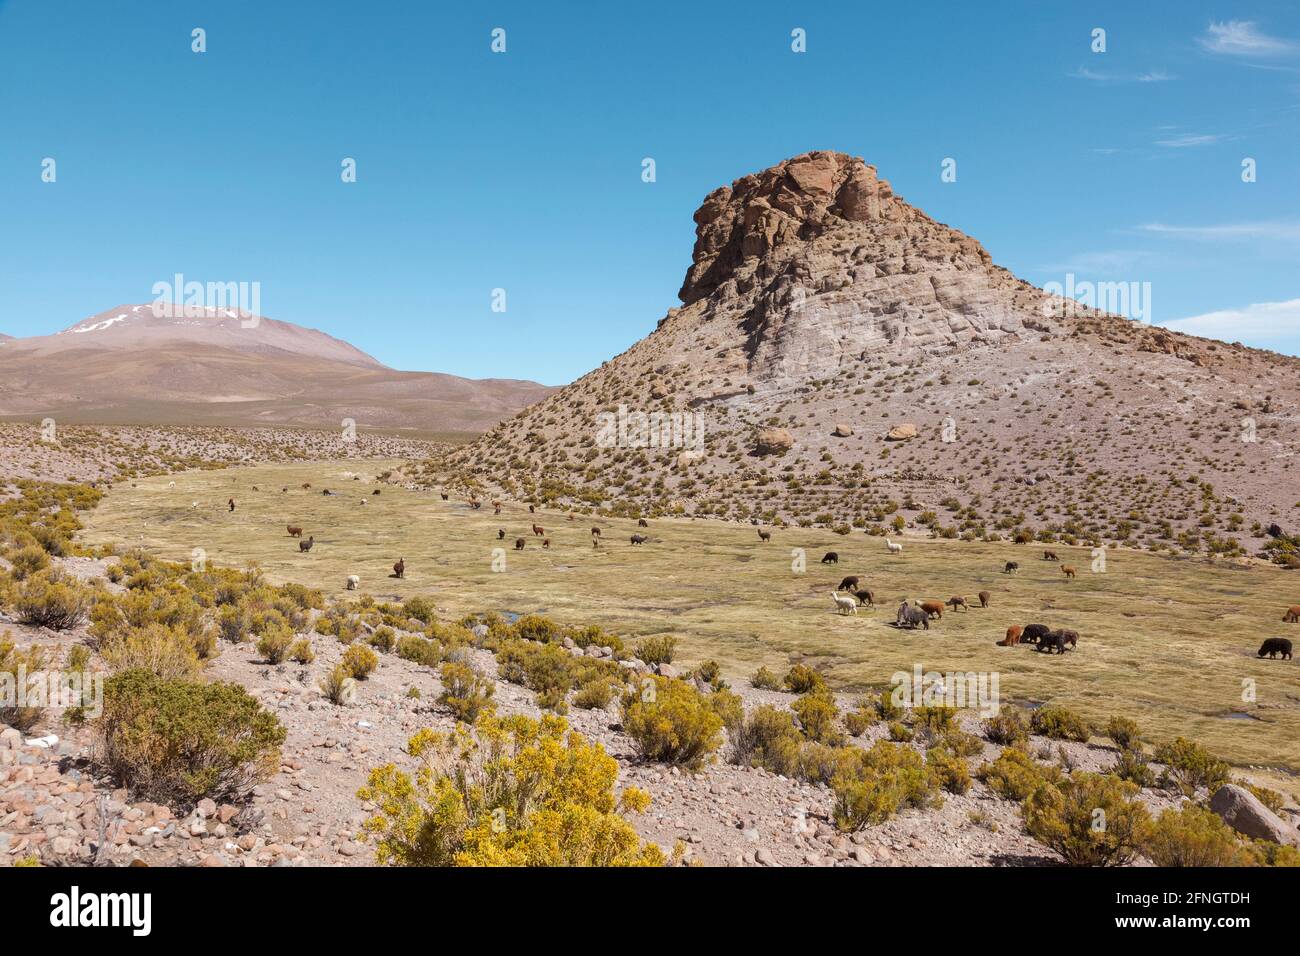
221,366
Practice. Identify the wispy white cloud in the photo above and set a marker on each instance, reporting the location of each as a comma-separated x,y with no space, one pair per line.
1100,76
1270,325
1277,231
1190,139
1242,38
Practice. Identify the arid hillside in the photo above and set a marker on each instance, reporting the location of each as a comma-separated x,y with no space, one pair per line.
128,366
841,359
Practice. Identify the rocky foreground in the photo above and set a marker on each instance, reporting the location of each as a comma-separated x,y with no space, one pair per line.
56,810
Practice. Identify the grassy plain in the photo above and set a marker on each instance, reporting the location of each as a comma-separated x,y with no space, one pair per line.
1169,642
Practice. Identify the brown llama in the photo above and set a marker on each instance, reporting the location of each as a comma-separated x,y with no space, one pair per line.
399,569
932,608
764,535
1292,615
539,530
546,543
1050,556
1012,638
957,601
1067,570
294,531
984,598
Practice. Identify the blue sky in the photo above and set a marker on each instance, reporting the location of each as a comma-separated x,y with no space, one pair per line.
522,170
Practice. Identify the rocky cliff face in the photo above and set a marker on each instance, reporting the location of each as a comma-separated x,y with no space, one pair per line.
847,355
820,263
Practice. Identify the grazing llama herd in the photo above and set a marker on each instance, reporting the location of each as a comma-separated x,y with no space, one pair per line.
910,615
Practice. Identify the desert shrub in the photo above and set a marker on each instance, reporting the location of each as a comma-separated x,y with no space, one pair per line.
1132,766
820,763
157,648
711,673
466,692
1193,836
1014,775
818,717
178,741
19,665
1007,728
900,732
360,661
880,782
233,623
1267,853
949,770
672,722
420,608
338,685
511,792
1124,732
934,720
960,743
857,722
657,650
547,669
887,707
301,652
590,634
411,647
1059,723
729,708
764,679
1189,765
52,599
768,739
275,642
384,638
800,679
1090,819
594,694
29,560
535,627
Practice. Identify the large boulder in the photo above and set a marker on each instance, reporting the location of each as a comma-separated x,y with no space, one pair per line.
773,441
1242,810
902,432
842,430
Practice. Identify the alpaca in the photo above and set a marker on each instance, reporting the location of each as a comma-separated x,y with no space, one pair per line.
1068,571
957,601
1050,556
1292,615
519,544
354,582
984,598
931,608
399,569
595,532
444,495
831,557
642,523
764,535
171,484
848,583
639,539
1273,646
845,605
294,531
539,530
231,502
501,534
893,548
1011,567
306,545
496,507
1012,638
546,543
865,597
